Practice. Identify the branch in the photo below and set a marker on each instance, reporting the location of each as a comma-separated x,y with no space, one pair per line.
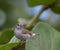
35,18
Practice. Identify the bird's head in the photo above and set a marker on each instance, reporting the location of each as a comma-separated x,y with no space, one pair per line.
20,25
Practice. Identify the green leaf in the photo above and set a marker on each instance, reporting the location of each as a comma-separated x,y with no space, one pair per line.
8,46
5,36
14,40
48,38
18,47
40,2
12,44
56,7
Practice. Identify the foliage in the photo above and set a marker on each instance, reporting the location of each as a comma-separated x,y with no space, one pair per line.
8,46
40,2
56,7
55,4
47,37
5,36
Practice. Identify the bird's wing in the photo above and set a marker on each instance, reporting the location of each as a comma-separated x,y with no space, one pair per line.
24,31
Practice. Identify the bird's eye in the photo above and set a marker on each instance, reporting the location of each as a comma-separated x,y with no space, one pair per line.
18,25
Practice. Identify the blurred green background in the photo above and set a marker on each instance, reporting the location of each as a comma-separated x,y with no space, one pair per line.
12,10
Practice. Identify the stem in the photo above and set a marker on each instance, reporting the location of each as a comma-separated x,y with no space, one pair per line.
19,47
35,18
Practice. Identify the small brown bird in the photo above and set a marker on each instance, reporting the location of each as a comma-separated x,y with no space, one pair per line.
21,33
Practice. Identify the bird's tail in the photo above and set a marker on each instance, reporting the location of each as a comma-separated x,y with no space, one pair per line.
33,34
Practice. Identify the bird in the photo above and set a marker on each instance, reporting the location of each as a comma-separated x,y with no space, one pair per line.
21,33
